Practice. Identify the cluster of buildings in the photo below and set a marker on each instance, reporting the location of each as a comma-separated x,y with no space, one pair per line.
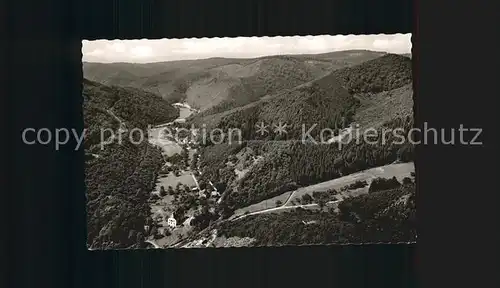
204,193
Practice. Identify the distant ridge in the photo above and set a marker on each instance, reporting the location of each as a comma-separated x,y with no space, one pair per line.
224,82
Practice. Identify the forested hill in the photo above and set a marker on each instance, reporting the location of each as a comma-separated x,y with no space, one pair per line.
135,107
385,73
376,93
120,176
323,102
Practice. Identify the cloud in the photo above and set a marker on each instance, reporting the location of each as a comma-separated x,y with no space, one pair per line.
117,47
96,52
141,52
144,50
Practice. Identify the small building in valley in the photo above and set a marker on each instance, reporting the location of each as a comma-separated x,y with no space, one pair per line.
171,222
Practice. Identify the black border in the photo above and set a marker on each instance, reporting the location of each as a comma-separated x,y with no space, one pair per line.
44,202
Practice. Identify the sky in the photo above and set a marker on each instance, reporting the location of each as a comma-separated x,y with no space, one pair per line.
146,51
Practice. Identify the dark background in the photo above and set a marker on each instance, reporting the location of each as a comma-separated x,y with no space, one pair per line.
43,193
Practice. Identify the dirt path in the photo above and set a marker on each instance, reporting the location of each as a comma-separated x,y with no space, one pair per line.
196,181
289,198
283,207
122,129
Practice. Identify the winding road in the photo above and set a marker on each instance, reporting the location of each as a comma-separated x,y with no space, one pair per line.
283,207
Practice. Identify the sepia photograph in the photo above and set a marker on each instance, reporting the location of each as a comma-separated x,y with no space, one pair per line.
249,141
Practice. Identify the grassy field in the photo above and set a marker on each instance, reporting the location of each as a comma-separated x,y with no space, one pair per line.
382,107
164,208
185,178
399,171
169,148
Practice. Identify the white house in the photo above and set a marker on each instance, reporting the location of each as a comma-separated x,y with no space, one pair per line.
172,223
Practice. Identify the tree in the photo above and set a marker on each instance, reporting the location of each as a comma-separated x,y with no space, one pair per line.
306,199
232,158
407,181
179,214
321,196
332,191
225,211
140,238
194,162
208,188
202,184
171,190
406,152
153,231
278,203
185,156
154,197
178,189
202,220
380,184
163,193
321,203
358,184
132,235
